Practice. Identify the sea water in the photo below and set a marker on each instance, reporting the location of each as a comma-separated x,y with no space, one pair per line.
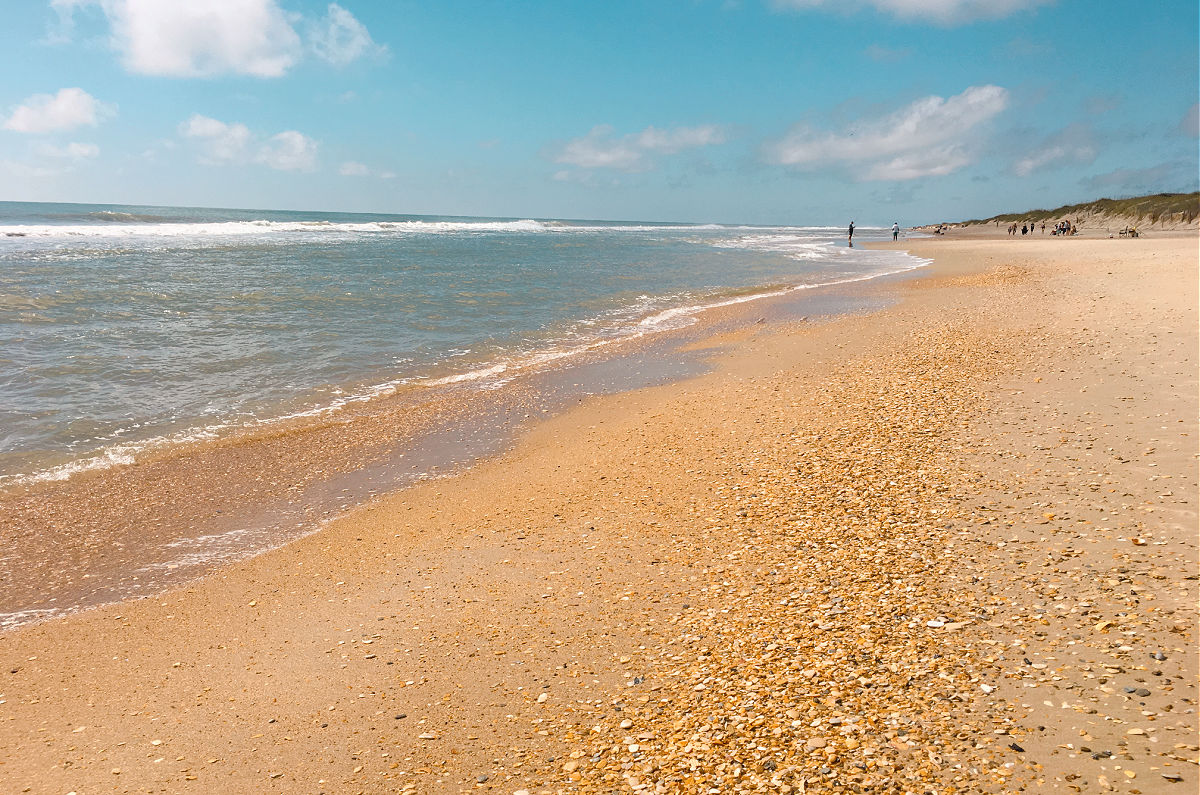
125,329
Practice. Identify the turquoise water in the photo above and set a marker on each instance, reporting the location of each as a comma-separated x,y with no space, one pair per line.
127,328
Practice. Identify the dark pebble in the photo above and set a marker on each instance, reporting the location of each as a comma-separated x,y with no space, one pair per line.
1131,690
1141,691
401,716
1015,747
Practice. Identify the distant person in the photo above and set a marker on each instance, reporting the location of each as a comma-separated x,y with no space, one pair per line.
1024,230
850,235
1043,227
895,230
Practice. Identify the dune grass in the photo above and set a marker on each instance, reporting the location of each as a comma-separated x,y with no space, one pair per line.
1165,207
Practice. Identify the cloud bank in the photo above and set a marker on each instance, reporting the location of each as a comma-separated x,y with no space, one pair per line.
634,152
220,143
215,37
944,12
66,110
930,137
1074,144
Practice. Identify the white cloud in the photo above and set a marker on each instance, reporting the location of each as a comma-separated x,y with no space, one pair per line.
221,144
1177,175
69,108
198,39
599,149
946,12
1190,123
289,151
72,151
353,169
929,137
1073,144
935,162
194,38
339,38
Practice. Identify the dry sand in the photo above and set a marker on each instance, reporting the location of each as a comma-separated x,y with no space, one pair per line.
950,546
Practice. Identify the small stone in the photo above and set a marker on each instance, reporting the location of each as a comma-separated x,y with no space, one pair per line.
542,698
1141,691
427,736
625,724
481,779
1136,731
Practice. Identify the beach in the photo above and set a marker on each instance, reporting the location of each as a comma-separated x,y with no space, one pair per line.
945,545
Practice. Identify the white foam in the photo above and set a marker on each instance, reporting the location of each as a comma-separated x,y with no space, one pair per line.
20,617
633,323
242,228
325,229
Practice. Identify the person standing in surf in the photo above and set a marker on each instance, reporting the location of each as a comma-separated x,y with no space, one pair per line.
850,235
895,230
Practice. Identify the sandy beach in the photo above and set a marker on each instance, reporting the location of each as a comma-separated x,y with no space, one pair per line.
946,546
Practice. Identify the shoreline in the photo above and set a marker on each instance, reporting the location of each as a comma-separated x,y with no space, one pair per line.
789,533
348,456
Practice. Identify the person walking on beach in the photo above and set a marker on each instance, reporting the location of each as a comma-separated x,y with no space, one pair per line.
850,235
895,230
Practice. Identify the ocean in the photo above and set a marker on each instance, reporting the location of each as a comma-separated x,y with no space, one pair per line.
128,329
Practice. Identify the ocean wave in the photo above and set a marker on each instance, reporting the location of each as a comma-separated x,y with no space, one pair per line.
112,224
644,315
113,216
263,227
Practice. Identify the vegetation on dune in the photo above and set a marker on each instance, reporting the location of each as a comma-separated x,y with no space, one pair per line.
1164,207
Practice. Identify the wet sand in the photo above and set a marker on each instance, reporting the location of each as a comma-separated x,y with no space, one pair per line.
180,512
946,546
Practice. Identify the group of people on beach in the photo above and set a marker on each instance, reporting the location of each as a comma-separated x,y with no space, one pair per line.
1029,227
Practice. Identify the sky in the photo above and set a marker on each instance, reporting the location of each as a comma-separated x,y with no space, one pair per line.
750,111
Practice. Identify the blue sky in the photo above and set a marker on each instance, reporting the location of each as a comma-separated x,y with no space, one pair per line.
758,111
